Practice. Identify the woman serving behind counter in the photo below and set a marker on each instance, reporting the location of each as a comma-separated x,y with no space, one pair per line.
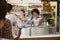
36,20
21,22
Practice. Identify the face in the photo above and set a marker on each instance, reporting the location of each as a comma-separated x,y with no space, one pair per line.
22,13
35,14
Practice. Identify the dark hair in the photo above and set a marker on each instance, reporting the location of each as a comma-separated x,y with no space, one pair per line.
5,1
9,7
23,10
3,9
35,10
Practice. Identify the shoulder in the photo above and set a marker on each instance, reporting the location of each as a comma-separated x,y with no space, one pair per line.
7,22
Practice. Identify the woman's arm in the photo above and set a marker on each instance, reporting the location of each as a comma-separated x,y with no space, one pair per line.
40,23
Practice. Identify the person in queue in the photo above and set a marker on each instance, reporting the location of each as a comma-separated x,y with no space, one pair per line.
14,19
5,24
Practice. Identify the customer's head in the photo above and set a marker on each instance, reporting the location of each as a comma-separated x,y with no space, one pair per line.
3,9
9,7
35,12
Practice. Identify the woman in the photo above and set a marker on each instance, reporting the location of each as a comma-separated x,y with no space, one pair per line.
21,21
36,20
5,25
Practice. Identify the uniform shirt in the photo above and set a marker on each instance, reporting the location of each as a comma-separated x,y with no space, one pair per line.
36,21
22,24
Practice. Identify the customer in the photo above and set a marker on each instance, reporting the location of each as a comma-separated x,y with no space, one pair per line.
5,25
36,20
13,18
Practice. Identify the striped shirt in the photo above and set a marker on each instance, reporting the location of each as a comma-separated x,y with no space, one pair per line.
6,30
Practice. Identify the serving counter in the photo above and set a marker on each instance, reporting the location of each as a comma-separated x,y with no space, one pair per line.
42,37
33,33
